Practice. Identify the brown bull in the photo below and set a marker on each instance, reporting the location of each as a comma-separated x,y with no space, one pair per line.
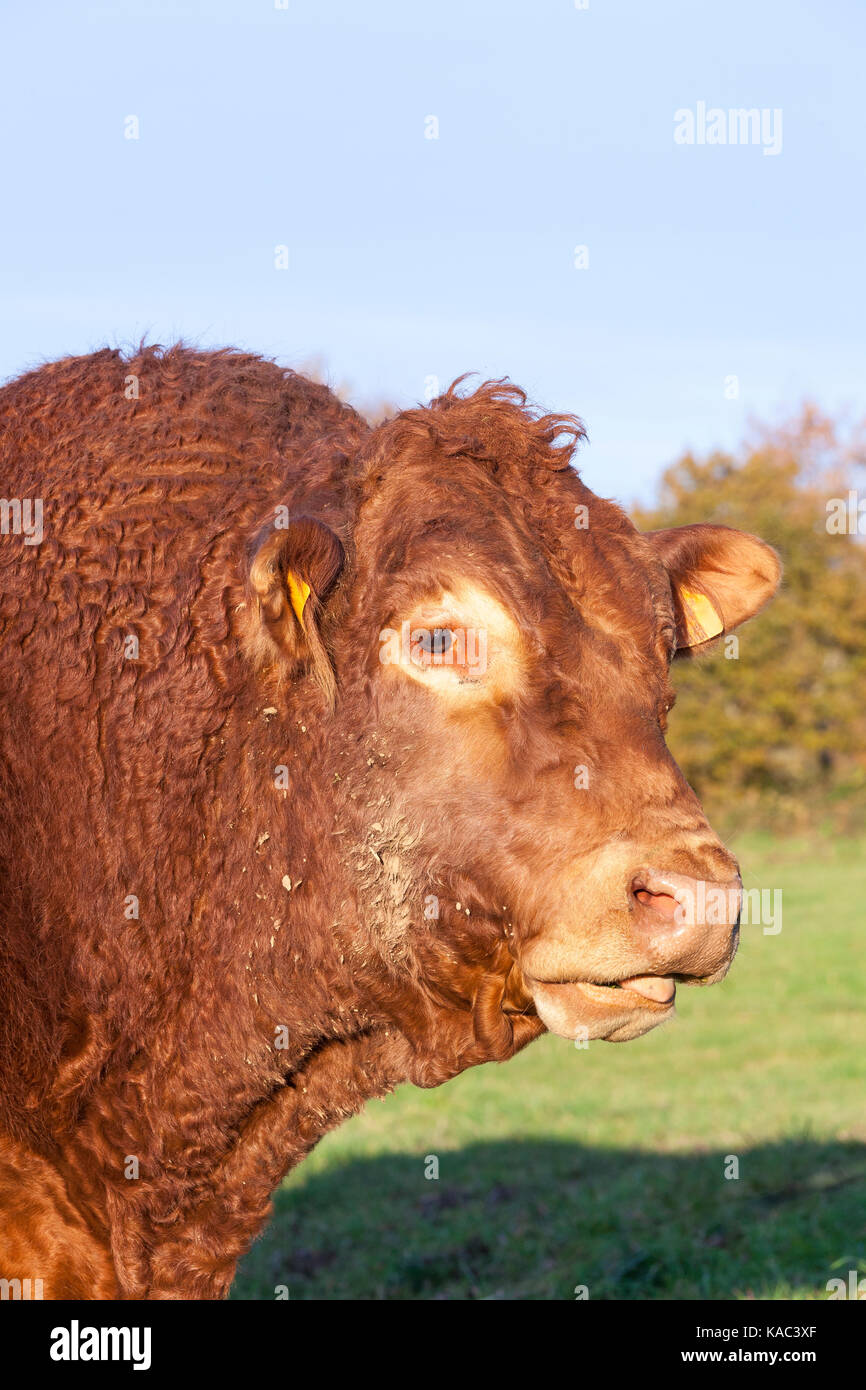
331,757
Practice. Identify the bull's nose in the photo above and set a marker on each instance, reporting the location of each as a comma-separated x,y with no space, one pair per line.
687,925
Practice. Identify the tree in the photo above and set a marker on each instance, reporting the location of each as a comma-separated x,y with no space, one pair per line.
777,728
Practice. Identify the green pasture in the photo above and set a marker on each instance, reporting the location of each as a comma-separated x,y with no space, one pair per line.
605,1167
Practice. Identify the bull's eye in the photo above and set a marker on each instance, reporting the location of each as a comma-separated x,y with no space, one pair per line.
435,646
435,643
460,642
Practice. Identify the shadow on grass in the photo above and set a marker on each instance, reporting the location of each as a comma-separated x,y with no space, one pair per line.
534,1220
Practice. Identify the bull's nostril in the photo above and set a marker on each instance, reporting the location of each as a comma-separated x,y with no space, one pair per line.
665,904
683,926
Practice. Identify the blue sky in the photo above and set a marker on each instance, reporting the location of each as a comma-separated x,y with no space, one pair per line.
412,258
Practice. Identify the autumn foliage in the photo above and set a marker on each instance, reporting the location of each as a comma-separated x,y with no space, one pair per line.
771,728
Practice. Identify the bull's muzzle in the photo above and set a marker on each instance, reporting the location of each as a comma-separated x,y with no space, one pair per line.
683,926
679,929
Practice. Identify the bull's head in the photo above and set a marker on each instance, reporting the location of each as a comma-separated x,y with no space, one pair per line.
496,643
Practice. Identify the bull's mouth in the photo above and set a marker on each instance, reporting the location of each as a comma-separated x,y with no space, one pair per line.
616,1011
640,991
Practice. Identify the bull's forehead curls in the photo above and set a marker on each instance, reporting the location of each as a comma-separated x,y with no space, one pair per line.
493,425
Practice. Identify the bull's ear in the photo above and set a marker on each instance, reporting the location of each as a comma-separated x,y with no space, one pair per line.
290,574
719,578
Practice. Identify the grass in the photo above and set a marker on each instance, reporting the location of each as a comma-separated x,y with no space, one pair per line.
605,1167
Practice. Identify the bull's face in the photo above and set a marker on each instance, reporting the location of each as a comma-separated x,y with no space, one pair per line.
503,653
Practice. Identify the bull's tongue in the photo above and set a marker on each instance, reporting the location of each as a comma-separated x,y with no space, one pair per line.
656,987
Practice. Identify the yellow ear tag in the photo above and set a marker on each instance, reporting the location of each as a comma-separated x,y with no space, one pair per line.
299,592
702,619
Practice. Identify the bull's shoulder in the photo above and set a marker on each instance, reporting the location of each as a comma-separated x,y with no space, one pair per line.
87,422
